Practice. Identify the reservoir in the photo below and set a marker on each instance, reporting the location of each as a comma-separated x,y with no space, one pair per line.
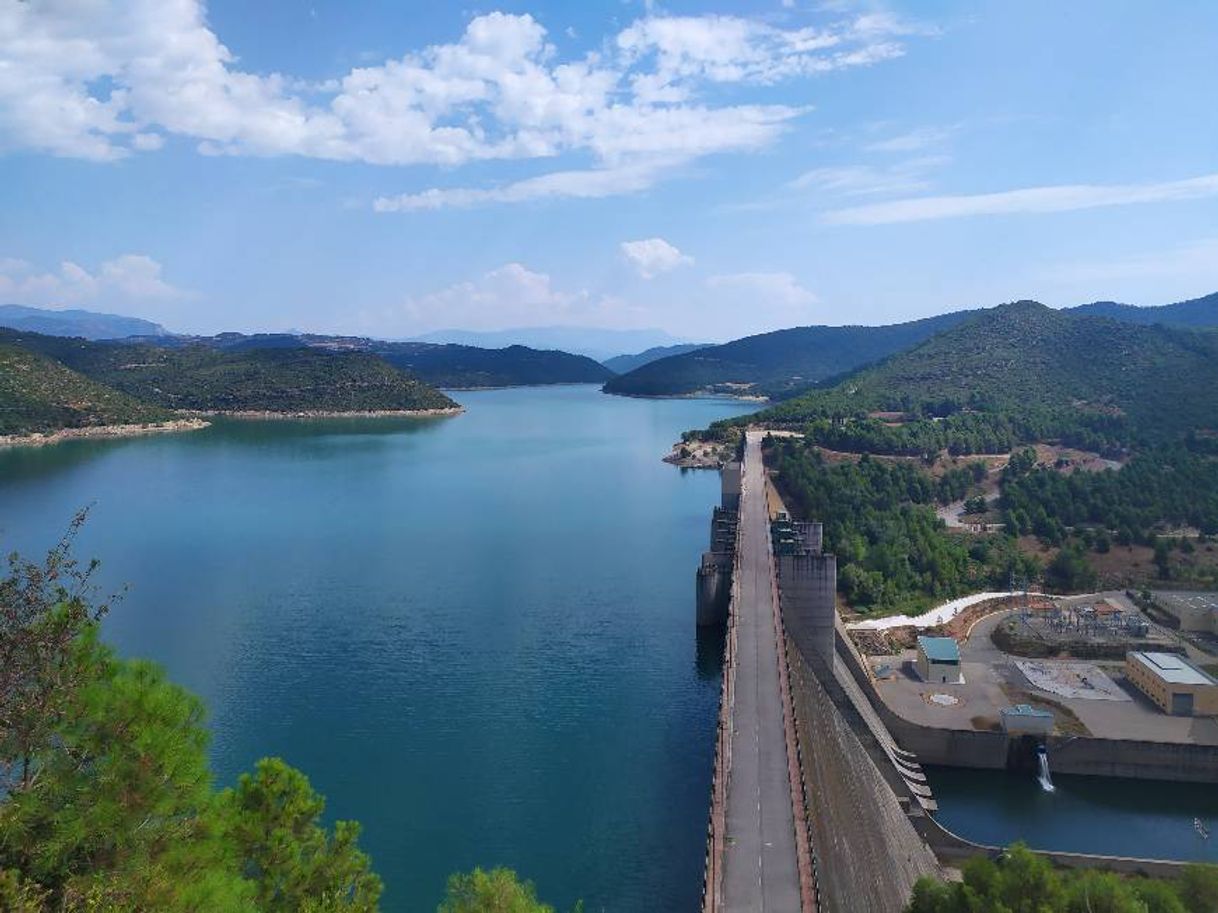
475,635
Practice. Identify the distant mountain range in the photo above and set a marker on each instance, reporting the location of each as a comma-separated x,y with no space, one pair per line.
621,364
1198,312
594,342
781,363
86,324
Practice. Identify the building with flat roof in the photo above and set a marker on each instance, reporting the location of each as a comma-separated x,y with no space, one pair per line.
1196,612
1174,684
938,660
1024,719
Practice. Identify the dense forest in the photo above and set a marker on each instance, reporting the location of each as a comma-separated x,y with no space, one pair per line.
1013,376
106,801
155,378
1023,881
468,367
38,394
879,519
1017,374
777,363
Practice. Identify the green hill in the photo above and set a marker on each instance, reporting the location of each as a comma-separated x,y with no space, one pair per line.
1017,373
457,366
622,364
439,364
203,378
38,394
1199,312
778,363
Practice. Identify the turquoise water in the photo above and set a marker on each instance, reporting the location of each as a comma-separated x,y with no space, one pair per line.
1112,817
476,635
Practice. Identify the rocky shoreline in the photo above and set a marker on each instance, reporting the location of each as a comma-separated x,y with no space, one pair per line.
699,455
321,413
42,438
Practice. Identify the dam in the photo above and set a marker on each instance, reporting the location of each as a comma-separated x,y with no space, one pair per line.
802,818
818,803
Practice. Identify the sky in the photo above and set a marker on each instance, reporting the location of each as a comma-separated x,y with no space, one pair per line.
712,170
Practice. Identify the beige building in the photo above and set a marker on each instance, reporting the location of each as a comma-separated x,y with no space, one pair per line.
1196,612
1173,683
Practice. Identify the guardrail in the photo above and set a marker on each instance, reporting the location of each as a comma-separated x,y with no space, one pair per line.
716,826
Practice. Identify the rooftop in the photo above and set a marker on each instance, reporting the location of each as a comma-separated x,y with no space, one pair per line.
940,649
1024,710
1173,669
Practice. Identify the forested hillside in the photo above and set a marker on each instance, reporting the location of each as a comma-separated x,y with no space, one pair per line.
622,364
1016,374
778,363
1198,312
467,367
439,364
49,382
37,394
1146,396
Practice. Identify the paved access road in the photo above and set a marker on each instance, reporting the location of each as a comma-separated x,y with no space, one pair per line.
760,866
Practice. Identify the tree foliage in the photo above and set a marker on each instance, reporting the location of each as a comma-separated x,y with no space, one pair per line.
1022,882
107,801
893,551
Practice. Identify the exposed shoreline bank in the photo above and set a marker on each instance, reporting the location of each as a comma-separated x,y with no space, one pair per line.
323,413
43,438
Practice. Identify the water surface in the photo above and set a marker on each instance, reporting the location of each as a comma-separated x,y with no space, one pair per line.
1110,816
475,635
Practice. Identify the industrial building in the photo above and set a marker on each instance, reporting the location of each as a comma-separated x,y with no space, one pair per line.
1024,719
1196,612
939,660
1175,685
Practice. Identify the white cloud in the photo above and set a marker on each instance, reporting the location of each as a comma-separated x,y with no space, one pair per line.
912,140
110,78
130,278
511,295
653,256
866,180
1061,198
780,290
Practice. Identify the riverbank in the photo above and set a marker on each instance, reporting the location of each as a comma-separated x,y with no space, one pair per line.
323,413
42,438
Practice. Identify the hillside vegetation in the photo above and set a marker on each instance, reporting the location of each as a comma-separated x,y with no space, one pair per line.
49,382
37,394
457,366
1020,374
1198,312
622,364
776,364
439,364
1017,374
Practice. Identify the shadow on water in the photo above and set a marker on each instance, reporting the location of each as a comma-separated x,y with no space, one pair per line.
23,464
710,642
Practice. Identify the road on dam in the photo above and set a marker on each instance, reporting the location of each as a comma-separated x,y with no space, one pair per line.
761,870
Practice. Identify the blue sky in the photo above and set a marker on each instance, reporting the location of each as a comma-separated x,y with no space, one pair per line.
713,170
